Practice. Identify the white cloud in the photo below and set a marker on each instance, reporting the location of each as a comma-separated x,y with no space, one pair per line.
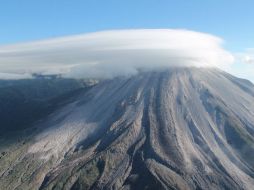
249,59
243,66
246,56
112,53
10,76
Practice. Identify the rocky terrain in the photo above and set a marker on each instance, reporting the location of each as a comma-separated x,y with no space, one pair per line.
183,128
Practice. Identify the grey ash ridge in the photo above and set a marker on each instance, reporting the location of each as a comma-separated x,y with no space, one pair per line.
183,128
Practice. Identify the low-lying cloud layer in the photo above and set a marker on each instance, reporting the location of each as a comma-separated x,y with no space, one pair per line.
113,53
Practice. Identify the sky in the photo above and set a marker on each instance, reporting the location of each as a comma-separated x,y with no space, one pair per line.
230,20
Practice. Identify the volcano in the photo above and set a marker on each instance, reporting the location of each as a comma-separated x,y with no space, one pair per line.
180,128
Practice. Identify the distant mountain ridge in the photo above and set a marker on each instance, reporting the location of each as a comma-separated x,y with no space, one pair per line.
182,128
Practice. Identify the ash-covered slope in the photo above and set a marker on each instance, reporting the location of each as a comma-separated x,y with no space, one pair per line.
177,129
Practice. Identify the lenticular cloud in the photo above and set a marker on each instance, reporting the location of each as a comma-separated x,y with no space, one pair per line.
113,53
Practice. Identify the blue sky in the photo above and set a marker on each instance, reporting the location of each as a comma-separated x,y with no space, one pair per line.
30,20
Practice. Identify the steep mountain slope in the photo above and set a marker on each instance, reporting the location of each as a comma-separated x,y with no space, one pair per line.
184,128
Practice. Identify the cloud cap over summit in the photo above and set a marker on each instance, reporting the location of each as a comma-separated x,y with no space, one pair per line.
113,53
